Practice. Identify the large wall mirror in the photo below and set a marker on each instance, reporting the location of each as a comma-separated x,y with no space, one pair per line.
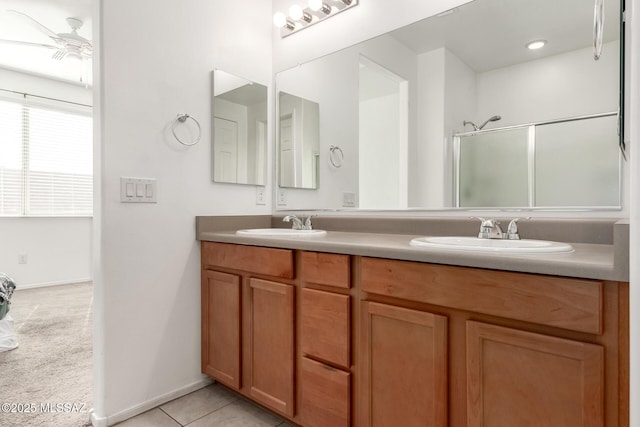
239,147
457,111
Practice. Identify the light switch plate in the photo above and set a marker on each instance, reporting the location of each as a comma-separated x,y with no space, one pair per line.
137,190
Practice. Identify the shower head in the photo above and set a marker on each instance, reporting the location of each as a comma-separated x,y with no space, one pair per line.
490,119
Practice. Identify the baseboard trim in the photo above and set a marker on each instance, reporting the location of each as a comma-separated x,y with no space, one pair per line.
47,284
138,409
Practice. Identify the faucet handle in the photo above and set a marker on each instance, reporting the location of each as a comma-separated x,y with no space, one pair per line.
512,229
296,223
307,222
486,222
489,228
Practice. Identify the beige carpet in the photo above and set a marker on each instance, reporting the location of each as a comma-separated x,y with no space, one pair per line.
50,373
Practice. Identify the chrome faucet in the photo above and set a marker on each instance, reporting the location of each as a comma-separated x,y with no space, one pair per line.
297,224
490,229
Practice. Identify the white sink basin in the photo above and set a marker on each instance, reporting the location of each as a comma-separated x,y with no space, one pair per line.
474,244
281,232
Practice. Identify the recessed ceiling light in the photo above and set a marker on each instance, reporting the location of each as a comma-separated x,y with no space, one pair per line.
537,44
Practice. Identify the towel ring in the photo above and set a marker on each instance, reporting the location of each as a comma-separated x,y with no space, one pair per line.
336,156
181,118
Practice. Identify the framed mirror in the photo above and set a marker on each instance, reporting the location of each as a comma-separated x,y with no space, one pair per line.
298,142
395,105
239,146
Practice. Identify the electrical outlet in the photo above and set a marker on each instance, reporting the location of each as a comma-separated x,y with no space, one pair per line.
22,258
348,200
261,195
282,197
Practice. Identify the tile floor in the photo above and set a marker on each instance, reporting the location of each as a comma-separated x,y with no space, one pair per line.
212,406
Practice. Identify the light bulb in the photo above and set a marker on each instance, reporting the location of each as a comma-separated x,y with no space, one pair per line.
315,5
279,19
295,12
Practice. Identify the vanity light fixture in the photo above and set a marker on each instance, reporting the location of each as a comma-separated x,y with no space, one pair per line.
536,44
316,11
280,20
319,5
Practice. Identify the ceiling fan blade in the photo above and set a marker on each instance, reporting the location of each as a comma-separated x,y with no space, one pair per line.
16,42
36,24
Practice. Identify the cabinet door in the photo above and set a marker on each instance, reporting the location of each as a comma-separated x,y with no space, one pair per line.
517,378
404,369
221,327
271,325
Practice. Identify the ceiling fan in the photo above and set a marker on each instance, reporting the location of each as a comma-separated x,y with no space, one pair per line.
66,45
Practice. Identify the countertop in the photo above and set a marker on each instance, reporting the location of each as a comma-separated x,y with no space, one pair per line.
589,260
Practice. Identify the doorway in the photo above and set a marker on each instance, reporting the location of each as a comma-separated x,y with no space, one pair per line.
383,137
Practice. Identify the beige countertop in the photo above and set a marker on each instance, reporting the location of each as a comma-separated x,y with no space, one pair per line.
589,260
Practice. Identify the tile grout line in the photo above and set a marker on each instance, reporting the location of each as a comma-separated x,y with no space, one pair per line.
207,414
169,415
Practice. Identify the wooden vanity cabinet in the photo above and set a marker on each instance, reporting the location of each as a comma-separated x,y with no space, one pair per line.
522,349
248,322
332,340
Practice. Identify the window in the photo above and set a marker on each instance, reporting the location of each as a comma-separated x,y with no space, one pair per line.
46,161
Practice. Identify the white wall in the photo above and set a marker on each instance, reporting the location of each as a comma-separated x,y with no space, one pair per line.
58,249
633,26
446,97
379,153
154,61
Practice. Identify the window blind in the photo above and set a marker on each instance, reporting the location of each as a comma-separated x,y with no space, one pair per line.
46,161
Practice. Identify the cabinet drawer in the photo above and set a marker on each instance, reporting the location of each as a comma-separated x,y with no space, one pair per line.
326,395
326,269
567,303
325,326
254,259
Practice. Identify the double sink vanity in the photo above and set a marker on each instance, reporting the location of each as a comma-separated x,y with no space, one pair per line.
354,325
